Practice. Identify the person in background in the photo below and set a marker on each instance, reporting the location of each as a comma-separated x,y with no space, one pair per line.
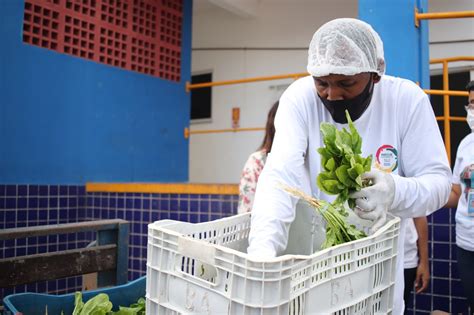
254,165
462,198
416,264
394,117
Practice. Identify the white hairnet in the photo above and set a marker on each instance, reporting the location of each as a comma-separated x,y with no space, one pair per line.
345,46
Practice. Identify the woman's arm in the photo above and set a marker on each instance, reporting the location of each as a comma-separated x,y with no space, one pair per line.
248,182
454,196
423,270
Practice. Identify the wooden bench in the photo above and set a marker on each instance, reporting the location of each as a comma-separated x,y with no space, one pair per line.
109,257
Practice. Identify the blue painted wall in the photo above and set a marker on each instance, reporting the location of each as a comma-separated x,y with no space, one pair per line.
406,47
67,120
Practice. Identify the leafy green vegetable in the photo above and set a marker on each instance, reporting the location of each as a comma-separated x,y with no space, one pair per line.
341,162
338,231
78,304
134,309
342,169
100,305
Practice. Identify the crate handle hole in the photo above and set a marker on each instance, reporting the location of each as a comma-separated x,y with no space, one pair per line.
197,269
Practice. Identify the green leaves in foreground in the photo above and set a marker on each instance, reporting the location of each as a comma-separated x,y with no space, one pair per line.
338,230
341,162
101,305
342,169
134,309
98,305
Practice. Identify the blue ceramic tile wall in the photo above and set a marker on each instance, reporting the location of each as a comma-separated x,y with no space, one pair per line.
445,291
32,205
22,205
141,209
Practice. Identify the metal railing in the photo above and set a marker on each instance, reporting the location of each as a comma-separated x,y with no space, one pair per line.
188,132
294,76
445,92
446,108
441,15
447,118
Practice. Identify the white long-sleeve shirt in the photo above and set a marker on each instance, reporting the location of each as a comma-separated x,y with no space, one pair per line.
410,246
398,128
463,169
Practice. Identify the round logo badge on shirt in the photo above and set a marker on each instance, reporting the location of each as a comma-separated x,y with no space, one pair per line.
386,158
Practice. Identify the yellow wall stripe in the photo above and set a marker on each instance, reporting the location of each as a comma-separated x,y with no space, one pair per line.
213,189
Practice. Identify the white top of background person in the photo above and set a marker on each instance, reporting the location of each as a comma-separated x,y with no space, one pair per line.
462,194
394,118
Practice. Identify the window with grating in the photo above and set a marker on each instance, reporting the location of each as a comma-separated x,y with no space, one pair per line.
138,35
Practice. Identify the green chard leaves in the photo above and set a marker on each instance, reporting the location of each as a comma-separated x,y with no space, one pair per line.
341,162
101,305
98,305
342,169
338,231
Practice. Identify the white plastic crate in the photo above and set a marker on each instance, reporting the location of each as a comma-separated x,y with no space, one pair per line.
204,269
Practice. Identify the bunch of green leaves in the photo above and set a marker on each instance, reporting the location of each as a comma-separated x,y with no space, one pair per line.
134,309
98,305
338,230
101,305
342,162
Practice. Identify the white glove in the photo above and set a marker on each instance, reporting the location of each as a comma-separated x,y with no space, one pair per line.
373,202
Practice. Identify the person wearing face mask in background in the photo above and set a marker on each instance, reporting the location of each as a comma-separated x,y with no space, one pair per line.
410,171
462,198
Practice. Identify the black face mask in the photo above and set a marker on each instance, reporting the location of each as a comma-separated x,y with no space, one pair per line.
355,106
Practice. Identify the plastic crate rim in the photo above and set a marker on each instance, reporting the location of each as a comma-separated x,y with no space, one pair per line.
166,228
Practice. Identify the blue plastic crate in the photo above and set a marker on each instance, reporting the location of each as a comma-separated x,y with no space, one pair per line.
35,303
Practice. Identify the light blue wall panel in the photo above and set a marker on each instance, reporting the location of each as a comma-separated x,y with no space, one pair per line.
406,46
